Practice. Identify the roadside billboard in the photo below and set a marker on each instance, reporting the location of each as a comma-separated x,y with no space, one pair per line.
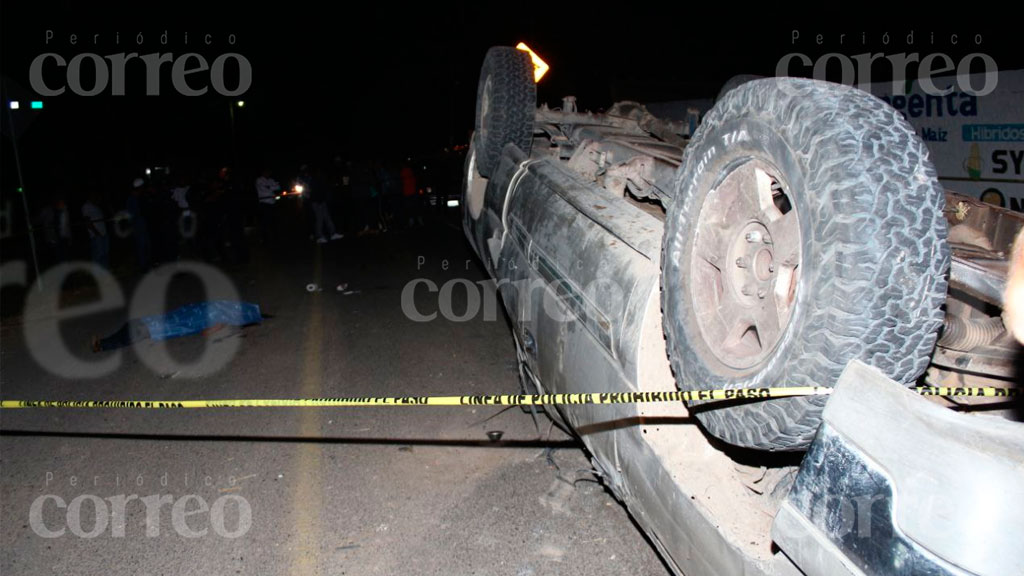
976,140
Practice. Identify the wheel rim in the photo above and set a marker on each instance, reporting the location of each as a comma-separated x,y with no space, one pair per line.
745,265
476,186
485,108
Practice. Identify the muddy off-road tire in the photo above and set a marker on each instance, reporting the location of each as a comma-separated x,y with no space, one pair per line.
506,100
806,231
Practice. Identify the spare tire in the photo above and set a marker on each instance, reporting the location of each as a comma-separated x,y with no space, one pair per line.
735,82
506,100
806,231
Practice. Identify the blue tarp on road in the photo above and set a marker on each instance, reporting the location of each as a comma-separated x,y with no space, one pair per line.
194,318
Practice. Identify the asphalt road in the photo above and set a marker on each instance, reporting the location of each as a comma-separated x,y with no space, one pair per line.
302,491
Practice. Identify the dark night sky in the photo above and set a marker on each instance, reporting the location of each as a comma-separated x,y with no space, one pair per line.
380,79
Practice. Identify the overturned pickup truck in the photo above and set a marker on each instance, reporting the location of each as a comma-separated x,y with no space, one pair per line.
798,237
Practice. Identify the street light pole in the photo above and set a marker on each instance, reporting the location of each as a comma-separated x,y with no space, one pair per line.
231,115
24,199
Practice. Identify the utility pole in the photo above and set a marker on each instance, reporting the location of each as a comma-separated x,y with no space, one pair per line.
24,198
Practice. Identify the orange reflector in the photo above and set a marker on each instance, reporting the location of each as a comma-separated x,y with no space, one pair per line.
540,67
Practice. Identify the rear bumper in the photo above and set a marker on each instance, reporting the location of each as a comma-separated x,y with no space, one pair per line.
896,484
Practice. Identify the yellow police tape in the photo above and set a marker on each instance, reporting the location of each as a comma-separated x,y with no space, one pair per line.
496,400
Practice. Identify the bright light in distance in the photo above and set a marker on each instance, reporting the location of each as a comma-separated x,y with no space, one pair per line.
299,188
241,103
453,203
15,105
148,171
540,67
36,105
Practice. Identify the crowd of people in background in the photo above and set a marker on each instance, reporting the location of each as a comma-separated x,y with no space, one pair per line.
158,217
163,216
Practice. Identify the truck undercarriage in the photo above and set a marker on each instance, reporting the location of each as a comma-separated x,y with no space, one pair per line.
621,244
